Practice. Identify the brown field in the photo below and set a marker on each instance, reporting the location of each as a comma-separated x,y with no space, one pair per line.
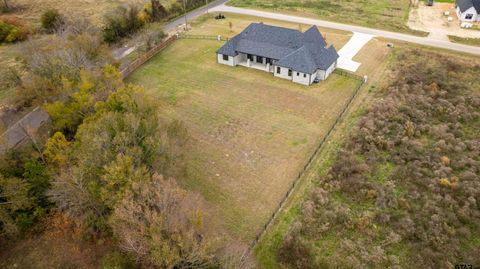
31,10
251,133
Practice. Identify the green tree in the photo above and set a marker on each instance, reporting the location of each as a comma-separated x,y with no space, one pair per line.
38,179
55,151
14,198
68,115
121,143
118,177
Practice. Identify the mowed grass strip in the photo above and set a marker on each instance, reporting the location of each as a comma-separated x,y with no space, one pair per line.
250,133
390,15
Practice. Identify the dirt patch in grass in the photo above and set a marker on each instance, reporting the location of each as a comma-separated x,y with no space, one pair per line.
389,15
251,133
432,19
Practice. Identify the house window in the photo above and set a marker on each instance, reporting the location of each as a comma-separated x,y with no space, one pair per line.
289,72
469,16
304,75
268,61
259,59
225,57
278,70
250,57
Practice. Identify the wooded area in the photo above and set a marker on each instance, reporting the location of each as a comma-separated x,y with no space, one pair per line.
106,167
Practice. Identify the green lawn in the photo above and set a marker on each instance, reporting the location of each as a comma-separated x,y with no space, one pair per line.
389,15
250,133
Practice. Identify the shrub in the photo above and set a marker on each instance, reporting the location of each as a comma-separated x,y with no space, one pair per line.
51,20
12,29
122,22
116,260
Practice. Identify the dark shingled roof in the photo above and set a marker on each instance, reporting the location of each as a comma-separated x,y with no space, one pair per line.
303,52
464,5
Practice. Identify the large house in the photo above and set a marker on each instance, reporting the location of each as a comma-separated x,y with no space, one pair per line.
287,53
468,10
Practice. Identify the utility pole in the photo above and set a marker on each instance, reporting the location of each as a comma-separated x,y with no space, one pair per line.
185,11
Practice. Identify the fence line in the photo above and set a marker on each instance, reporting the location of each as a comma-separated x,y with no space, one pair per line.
309,162
145,57
209,37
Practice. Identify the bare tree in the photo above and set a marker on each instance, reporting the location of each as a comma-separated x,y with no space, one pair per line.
162,226
6,5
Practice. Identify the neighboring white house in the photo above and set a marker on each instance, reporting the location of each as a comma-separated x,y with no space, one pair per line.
287,53
468,10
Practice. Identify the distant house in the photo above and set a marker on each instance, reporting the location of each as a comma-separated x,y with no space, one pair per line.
468,10
287,53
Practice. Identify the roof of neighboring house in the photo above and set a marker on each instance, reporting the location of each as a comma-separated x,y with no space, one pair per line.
464,5
303,52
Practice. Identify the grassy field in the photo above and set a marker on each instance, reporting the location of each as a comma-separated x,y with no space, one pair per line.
465,40
251,133
31,10
7,59
390,15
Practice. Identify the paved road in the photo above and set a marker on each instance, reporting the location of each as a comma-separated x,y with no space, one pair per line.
346,27
192,15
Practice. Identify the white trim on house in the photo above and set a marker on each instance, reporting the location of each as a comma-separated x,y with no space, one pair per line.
297,77
469,15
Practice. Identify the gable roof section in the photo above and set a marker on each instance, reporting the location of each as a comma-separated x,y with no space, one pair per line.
299,60
229,48
263,49
303,52
312,35
324,57
279,36
476,5
464,5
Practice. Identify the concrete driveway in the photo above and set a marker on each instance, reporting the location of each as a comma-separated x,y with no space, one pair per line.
350,49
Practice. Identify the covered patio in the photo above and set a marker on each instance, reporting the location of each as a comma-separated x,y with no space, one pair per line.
256,62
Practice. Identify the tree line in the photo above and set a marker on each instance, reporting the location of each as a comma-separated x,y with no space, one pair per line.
111,162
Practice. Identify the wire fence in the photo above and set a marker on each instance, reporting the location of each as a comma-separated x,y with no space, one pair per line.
126,71
208,37
310,160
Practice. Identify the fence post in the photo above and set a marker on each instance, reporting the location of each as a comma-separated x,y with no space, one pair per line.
125,72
